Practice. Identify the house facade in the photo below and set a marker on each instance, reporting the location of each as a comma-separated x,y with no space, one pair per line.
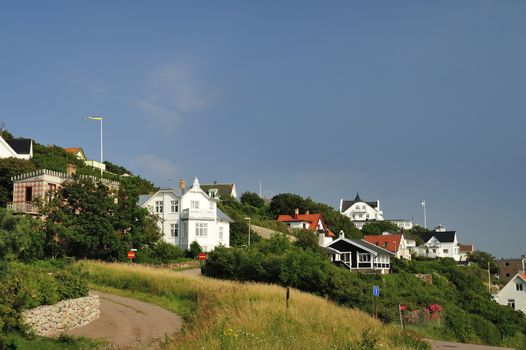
359,255
186,215
16,148
362,212
398,244
510,267
513,293
439,245
79,154
40,185
308,221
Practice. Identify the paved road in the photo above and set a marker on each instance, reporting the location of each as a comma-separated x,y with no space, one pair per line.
129,323
444,345
191,272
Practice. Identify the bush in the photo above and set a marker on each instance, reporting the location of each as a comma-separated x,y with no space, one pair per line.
194,250
160,253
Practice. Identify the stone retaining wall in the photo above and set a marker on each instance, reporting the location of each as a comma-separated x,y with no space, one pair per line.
54,319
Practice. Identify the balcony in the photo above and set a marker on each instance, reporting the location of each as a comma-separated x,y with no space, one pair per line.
198,214
23,207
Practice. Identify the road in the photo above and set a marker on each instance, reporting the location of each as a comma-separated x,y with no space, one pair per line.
444,345
129,323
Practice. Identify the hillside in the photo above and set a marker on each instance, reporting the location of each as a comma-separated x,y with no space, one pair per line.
233,315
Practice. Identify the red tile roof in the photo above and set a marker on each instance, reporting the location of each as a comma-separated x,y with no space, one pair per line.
388,242
466,248
312,219
72,150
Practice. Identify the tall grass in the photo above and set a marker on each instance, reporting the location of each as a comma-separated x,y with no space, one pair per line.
233,315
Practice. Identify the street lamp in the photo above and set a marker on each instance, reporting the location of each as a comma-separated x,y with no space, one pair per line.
247,218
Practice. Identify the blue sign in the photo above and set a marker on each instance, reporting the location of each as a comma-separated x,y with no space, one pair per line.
376,291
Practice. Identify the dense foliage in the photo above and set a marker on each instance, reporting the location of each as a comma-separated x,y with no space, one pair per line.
378,227
10,167
87,219
25,286
469,313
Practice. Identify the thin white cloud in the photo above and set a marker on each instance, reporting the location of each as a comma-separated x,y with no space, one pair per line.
156,166
173,92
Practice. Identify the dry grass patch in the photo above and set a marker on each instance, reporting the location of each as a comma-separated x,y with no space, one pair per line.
233,315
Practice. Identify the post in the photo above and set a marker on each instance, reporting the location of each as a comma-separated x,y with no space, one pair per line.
401,318
375,308
101,153
248,219
287,298
489,279
423,204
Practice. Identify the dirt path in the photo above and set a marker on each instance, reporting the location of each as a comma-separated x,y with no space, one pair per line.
129,323
442,345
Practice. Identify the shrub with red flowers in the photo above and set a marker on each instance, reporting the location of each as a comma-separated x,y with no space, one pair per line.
434,310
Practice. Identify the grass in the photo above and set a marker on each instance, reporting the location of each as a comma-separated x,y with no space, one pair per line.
19,342
233,315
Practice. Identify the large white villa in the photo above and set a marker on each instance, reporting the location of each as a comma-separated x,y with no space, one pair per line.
187,215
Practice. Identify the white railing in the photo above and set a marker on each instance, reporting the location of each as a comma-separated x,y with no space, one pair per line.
23,207
198,214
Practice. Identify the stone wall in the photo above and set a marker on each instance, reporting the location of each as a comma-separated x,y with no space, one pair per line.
52,320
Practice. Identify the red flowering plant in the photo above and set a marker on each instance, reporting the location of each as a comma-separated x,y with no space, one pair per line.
434,310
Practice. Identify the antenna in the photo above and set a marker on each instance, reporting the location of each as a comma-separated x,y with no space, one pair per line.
260,189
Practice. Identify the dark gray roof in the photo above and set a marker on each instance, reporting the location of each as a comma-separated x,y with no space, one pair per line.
223,216
364,244
442,237
143,198
346,204
223,190
20,146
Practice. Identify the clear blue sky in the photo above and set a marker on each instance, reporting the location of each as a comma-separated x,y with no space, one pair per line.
398,100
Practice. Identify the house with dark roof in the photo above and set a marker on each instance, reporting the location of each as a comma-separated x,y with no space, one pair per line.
363,212
16,148
359,255
308,221
220,190
441,244
399,244
188,214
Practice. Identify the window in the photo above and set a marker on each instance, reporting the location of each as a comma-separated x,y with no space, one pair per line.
364,257
220,233
434,250
346,257
174,206
445,251
173,230
201,229
385,244
194,204
507,275
29,194
511,303
159,207
518,286
507,264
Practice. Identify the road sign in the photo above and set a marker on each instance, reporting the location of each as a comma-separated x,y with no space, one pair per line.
131,255
201,256
376,291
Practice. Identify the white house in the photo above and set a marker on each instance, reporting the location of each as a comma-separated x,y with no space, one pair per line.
187,215
442,244
16,148
399,244
513,293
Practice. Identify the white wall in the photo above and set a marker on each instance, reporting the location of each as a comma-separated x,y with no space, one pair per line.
509,291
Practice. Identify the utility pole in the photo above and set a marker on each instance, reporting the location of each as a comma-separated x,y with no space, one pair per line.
489,279
423,204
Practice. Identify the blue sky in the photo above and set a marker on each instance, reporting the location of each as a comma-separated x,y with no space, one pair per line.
398,100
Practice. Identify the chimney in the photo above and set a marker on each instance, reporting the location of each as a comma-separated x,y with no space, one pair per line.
342,234
71,169
296,213
307,212
182,184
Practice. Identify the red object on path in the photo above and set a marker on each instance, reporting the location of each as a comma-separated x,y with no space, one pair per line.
131,255
201,256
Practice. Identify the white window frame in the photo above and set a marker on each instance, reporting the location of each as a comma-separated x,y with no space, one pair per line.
511,303
201,229
194,204
174,206
174,230
220,233
159,206
364,258
343,255
518,286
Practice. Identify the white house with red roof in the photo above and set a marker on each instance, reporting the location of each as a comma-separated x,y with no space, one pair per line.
398,244
308,221
513,293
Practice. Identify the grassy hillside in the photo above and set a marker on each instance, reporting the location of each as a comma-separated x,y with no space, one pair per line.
233,315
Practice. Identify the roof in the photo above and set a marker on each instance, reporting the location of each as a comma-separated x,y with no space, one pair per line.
388,242
223,190
72,149
466,248
222,216
363,244
442,237
143,198
312,219
20,146
346,204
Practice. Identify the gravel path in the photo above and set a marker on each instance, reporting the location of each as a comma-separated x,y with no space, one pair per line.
129,323
443,345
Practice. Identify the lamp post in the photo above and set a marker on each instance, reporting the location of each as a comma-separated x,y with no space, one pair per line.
423,204
247,218
99,118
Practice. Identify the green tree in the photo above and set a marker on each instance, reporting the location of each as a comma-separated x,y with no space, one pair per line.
379,227
286,203
482,259
53,158
20,238
253,199
194,250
